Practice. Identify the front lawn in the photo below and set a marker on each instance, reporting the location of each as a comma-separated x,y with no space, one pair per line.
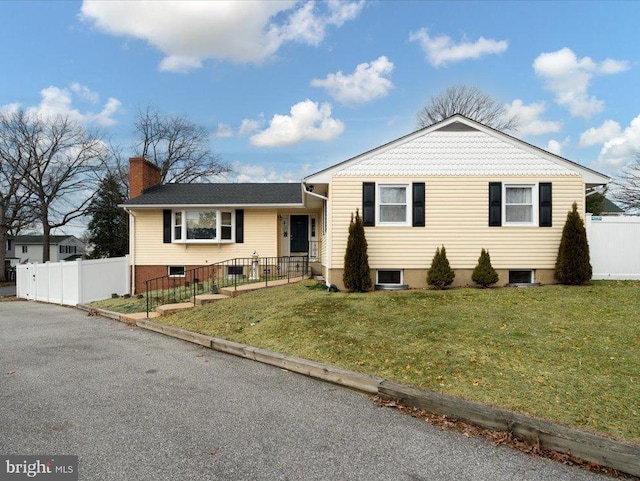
569,354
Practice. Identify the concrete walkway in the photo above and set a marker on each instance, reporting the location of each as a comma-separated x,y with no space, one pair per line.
8,291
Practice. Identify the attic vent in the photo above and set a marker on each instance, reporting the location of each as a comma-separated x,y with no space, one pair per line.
456,127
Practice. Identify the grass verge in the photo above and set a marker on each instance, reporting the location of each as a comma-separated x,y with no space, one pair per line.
568,354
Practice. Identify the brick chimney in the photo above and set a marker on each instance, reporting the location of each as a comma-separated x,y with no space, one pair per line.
142,175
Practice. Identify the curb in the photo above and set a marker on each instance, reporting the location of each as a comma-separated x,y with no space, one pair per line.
619,455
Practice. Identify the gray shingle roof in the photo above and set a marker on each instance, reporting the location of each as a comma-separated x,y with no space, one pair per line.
37,239
220,194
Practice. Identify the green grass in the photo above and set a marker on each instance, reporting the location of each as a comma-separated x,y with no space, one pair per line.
569,354
122,304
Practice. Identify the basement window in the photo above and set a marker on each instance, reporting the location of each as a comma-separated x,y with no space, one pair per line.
390,279
176,271
521,277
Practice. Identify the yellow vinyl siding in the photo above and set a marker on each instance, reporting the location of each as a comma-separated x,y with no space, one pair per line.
456,211
260,235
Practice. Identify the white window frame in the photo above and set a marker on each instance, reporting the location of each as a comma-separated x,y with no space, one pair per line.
407,198
387,284
532,278
534,204
176,275
183,225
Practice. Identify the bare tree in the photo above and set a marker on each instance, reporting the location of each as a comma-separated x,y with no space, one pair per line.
470,102
58,160
15,200
628,185
176,145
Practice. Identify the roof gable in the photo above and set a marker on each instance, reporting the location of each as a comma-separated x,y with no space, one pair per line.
458,146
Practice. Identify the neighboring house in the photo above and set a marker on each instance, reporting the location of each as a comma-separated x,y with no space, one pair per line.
610,208
457,183
28,248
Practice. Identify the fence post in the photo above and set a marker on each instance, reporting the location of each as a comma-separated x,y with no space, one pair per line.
146,285
79,266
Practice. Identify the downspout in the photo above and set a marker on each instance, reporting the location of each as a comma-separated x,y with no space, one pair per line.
326,200
132,250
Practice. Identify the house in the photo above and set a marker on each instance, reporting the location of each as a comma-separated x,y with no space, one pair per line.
456,183
175,227
29,248
610,208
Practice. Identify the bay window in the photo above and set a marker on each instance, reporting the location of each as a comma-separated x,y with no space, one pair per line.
193,226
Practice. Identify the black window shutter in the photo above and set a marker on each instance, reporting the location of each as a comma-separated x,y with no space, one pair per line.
418,204
545,204
240,226
166,226
495,204
369,204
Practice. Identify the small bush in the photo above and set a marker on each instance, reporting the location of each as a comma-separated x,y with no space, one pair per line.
484,274
573,266
440,274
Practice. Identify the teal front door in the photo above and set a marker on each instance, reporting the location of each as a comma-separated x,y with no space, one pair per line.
299,235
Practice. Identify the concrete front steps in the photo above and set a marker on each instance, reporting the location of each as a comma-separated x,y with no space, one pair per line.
202,299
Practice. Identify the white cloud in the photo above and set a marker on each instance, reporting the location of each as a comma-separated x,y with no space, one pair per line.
528,118
599,135
555,146
57,101
442,50
223,131
85,93
568,77
367,82
189,32
258,173
618,150
10,108
248,126
308,121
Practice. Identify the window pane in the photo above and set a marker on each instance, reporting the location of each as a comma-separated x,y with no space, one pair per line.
176,271
226,232
201,225
520,277
519,213
393,195
177,225
226,218
519,195
389,277
393,213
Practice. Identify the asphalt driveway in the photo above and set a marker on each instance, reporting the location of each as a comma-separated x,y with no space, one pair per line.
135,405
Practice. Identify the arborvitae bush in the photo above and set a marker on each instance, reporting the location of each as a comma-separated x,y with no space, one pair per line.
573,265
440,274
484,273
356,277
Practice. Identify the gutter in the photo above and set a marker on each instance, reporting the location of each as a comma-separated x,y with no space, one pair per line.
132,249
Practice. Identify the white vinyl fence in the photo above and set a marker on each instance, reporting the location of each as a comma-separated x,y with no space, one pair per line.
614,246
75,282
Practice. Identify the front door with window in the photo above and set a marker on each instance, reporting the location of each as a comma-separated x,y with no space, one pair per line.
299,234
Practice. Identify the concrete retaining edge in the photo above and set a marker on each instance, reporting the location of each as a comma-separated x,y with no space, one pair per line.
619,455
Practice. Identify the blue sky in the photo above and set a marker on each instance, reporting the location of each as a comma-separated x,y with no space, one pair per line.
289,88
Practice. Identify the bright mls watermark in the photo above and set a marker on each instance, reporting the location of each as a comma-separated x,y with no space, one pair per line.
51,468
